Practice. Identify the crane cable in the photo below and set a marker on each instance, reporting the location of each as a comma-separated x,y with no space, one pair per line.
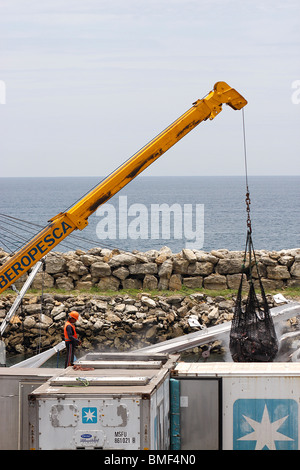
249,248
252,335
248,201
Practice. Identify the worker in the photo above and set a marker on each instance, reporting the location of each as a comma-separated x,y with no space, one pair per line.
71,338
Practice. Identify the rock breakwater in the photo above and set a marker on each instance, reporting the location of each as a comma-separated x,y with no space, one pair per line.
121,321
113,270
111,323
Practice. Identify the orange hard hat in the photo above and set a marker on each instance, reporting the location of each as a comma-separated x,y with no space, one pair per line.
74,315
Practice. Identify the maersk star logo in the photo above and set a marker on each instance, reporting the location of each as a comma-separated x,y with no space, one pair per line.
89,415
265,424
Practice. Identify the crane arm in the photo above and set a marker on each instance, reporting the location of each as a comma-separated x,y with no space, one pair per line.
64,223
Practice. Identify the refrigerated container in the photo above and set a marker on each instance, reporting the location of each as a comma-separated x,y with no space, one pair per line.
15,386
108,401
235,406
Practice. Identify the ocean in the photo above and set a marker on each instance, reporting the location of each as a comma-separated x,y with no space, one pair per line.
201,212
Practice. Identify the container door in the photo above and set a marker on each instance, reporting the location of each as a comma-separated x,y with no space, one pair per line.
198,426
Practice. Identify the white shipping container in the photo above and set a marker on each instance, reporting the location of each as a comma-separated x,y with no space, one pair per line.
121,402
239,406
15,386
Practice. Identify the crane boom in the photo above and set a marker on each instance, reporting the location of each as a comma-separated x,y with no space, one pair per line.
64,223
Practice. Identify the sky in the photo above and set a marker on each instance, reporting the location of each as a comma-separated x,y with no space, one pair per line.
87,83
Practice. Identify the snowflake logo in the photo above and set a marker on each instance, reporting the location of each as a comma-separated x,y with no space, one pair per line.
265,424
89,415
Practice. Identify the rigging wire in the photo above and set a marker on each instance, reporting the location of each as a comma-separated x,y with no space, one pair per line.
27,223
23,240
247,200
73,236
17,241
245,148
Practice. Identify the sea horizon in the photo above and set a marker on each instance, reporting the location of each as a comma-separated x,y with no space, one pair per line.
219,202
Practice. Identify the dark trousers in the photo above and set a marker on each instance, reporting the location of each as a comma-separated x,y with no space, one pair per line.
70,354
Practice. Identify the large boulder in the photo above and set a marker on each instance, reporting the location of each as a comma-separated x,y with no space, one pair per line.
200,268
295,270
229,266
278,272
215,282
55,264
109,283
143,268
100,269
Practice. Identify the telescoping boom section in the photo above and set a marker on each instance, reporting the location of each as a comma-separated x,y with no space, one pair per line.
64,223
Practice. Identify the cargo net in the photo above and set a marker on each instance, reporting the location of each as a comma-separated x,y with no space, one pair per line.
252,335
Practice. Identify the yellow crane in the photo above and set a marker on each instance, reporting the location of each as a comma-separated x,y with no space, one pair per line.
64,223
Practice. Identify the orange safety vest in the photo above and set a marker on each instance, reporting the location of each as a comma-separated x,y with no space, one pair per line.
65,331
